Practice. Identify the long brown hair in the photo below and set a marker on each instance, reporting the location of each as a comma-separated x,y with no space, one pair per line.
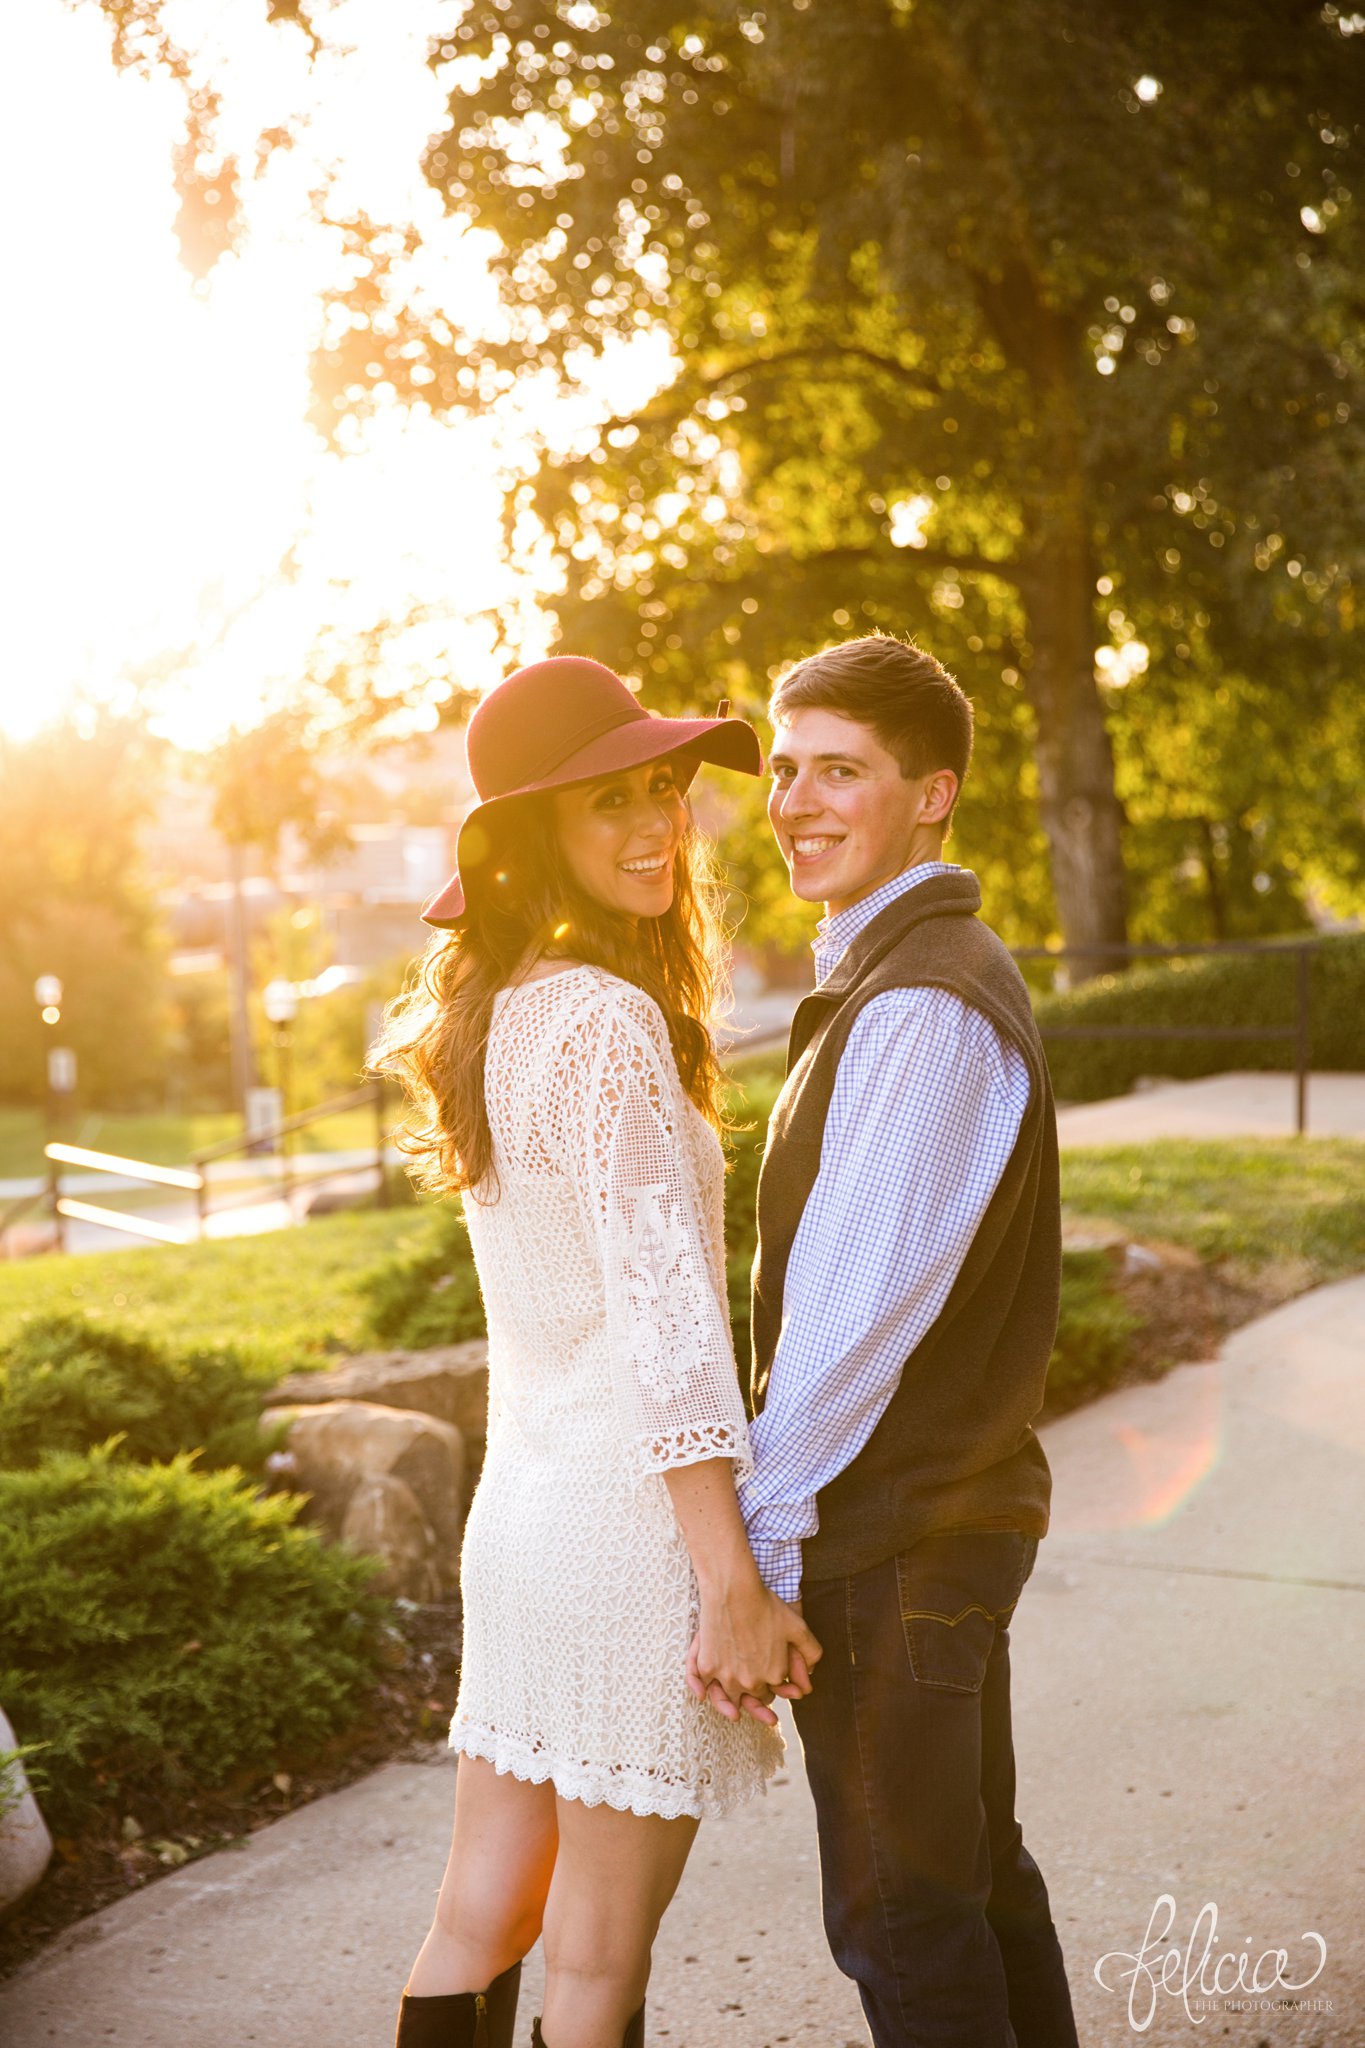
526,905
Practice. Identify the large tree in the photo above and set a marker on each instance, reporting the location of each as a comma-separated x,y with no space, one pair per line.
1075,290
1036,330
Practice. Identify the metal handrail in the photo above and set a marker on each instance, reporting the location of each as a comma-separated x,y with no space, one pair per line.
1299,1033
225,1147
195,1179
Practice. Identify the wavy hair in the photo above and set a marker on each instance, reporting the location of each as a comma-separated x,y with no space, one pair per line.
434,1035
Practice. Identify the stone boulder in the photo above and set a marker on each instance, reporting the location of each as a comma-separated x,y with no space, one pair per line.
25,1844
449,1381
385,1481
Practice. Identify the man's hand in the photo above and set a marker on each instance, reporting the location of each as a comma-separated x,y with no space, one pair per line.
802,1654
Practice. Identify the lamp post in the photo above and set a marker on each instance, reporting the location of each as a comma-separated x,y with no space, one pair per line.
57,1071
281,1004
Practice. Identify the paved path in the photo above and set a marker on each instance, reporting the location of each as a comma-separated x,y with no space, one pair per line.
1188,1677
1221,1106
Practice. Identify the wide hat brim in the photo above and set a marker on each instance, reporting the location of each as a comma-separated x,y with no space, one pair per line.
723,742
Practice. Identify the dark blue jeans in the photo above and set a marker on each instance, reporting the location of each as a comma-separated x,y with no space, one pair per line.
932,1904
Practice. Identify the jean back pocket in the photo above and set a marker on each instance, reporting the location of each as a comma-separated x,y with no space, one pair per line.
957,1587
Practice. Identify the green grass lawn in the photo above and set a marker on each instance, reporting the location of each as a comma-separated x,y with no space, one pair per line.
285,1298
1254,1202
161,1140
292,1297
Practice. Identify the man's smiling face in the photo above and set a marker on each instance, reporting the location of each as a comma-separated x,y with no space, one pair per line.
845,817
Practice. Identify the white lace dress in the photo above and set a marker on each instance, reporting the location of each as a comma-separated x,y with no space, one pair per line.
602,1265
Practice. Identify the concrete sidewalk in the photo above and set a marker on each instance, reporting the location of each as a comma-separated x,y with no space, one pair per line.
1220,1106
1188,1679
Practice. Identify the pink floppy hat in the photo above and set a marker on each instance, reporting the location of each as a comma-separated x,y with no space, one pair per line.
571,720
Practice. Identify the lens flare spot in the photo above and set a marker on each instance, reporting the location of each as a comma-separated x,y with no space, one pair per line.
1156,1446
475,846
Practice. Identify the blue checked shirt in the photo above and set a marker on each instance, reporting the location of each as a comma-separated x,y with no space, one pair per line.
927,1104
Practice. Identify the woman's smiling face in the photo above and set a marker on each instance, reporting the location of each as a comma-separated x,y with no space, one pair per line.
619,836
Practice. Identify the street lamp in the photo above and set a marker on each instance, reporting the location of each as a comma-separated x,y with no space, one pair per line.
280,1001
59,1076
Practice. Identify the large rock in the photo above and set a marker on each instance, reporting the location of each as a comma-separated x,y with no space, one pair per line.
25,1844
386,1481
383,1519
449,1381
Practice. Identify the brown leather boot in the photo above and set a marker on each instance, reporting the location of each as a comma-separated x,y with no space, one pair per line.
463,2019
634,2036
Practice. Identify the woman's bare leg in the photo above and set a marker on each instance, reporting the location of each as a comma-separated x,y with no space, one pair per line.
492,1897
613,1878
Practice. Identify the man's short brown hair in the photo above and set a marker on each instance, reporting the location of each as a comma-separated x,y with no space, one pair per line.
908,699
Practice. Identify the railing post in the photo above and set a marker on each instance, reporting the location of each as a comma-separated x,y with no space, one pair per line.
1303,1035
54,1196
381,1189
201,1203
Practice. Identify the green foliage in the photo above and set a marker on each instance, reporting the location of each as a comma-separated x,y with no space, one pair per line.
426,1292
77,905
1078,287
1095,1330
67,1382
13,1768
162,1627
283,1300
1254,1203
1211,991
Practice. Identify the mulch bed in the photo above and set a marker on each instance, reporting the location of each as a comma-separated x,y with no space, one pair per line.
142,1839
1187,1308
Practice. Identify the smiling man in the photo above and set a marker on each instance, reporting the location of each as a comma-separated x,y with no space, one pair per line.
905,1304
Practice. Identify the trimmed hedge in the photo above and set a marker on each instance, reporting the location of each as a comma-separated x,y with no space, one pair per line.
67,1382
163,1627
1208,990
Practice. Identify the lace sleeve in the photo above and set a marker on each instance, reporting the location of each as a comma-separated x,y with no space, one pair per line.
668,1328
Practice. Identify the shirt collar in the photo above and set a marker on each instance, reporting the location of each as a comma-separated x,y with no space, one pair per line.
834,935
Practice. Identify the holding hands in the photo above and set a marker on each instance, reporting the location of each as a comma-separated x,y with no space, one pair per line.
751,1648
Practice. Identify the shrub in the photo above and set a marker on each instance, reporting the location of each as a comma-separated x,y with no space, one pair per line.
67,1382
1212,989
427,1291
1095,1331
163,1626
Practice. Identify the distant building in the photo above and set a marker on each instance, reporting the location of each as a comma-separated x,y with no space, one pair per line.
370,892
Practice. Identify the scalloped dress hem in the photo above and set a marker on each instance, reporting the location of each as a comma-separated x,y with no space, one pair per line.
611,1785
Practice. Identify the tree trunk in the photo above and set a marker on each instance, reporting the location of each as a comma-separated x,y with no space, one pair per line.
1078,804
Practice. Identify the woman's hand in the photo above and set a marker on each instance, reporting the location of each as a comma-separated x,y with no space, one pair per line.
751,1648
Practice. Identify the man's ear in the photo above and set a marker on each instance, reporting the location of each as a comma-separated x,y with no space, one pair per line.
940,794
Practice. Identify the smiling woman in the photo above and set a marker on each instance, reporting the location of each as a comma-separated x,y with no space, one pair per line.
619,837
581,849
559,1059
